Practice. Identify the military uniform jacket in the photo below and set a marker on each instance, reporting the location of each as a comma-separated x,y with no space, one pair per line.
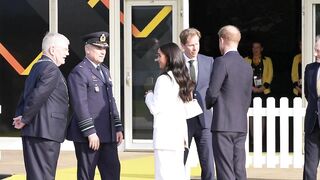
93,104
45,101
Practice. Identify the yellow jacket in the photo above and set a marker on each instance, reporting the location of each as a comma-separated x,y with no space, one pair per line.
295,73
267,74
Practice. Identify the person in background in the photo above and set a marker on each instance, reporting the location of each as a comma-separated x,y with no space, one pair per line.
200,68
262,72
262,77
296,76
95,128
42,112
312,118
229,94
166,103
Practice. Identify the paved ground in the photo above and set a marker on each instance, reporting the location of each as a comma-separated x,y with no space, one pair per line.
12,163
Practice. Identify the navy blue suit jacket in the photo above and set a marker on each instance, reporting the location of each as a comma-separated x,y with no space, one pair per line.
229,93
93,104
310,91
45,101
205,66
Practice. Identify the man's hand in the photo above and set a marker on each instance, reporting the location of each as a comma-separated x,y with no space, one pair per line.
17,122
258,90
94,141
299,89
254,89
119,136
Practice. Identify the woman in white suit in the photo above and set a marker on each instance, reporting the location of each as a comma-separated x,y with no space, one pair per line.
172,90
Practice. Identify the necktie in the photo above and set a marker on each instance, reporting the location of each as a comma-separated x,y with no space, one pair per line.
192,71
101,73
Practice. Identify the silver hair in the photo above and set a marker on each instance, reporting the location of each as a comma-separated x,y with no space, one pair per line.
54,39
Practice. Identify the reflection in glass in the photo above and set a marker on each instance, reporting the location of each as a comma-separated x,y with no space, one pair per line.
317,19
145,68
22,27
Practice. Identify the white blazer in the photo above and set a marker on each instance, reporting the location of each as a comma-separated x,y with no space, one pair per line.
170,126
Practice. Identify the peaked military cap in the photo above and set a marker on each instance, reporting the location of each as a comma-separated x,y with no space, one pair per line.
97,39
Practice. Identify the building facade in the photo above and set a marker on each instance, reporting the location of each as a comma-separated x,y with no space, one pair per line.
137,28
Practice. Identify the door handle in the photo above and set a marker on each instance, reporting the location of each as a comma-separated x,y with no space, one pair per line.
128,78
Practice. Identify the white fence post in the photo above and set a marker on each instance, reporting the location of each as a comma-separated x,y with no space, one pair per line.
257,133
284,133
297,132
248,157
272,160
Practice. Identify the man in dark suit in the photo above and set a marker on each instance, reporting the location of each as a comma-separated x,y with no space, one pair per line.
95,126
229,94
43,109
200,67
311,122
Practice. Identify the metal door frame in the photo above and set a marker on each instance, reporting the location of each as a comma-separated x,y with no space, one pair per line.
178,24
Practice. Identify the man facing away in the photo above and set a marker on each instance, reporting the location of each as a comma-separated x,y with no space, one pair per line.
95,127
229,94
200,68
43,109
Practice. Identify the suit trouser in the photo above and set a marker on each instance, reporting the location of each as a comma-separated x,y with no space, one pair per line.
229,154
40,158
106,158
203,140
311,156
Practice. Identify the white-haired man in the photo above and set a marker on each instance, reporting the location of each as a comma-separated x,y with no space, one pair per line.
42,110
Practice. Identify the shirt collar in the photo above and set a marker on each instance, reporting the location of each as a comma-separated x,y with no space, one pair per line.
230,50
94,64
188,59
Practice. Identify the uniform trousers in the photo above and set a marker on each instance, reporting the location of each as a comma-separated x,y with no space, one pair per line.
106,158
40,157
169,165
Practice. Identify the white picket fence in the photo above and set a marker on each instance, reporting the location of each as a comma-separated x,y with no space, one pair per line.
271,159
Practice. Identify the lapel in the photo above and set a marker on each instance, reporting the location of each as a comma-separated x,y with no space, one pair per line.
93,70
200,69
314,75
106,75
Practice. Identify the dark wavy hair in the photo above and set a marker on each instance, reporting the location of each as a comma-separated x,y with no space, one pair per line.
176,64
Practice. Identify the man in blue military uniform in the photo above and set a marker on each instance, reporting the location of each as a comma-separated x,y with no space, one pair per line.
95,126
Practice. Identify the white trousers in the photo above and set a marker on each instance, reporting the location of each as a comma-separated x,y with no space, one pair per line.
169,165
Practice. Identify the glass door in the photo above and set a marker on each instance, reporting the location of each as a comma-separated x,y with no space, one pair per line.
147,25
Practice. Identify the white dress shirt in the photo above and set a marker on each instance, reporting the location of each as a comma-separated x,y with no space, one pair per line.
195,64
